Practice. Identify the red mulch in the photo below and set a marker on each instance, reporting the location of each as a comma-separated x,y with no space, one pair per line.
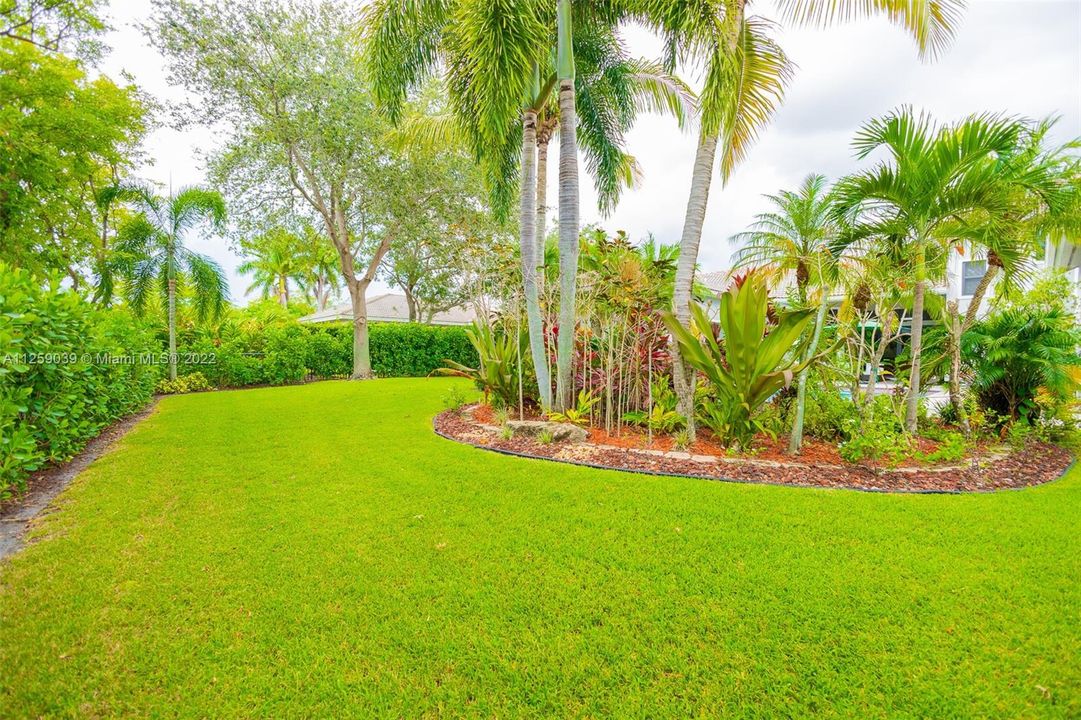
818,466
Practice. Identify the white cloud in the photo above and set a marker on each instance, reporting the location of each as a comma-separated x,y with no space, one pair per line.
1019,57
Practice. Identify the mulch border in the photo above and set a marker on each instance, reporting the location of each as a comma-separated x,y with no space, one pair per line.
1067,463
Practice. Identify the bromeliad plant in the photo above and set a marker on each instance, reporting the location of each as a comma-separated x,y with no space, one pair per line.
582,413
497,374
750,365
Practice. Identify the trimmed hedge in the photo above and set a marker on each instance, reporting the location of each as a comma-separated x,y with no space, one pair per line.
67,370
286,353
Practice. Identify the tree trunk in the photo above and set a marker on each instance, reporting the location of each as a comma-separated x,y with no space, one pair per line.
682,375
410,303
795,440
912,400
528,242
855,388
542,208
954,340
172,328
283,292
568,244
362,363
977,296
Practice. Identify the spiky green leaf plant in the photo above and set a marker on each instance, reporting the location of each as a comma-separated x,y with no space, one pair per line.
750,363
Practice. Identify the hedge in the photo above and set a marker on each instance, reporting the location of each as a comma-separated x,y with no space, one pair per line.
285,353
67,370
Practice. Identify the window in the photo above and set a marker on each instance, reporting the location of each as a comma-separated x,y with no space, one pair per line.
972,272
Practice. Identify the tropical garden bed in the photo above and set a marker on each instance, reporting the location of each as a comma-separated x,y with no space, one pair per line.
985,467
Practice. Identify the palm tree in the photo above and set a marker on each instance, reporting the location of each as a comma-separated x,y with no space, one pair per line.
500,73
569,222
794,239
154,241
274,260
320,270
1037,183
745,76
935,177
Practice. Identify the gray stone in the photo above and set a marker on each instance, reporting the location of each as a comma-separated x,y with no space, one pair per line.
561,432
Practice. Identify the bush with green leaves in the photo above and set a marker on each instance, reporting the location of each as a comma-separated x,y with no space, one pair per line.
195,382
1019,353
278,350
67,369
662,416
879,435
828,414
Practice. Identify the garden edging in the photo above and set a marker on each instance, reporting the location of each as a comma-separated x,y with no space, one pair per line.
1038,464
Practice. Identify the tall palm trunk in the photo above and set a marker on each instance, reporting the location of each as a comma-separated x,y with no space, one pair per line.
528,243
543,136
795,440
172,328
912,400
568,211
959,327
954,341
693,221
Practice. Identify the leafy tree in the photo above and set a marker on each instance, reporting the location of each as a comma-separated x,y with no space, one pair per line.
287,76
64,138
320,271
429,258
795,238
153,243
54,25
933,178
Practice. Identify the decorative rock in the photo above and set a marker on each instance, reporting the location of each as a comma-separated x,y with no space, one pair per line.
561,432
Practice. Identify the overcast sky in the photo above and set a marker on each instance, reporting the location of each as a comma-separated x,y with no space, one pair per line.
1017,56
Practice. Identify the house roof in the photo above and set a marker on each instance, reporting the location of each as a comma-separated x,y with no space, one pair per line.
390,307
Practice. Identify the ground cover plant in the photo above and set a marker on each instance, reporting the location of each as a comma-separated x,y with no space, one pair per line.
316,550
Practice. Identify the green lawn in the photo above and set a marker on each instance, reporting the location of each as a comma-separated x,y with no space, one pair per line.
317,551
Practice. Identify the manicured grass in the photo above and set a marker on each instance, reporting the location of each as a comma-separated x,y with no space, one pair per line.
317,552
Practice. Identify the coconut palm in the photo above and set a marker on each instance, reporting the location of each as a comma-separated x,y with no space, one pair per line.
795,239
153,240
934,178
500,73
745,76
273,261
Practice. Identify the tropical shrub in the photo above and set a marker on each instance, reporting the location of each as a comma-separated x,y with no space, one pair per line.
662,416
67,369
751,365
581,413
879,436
195,382
828,414
497,372
1016,354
